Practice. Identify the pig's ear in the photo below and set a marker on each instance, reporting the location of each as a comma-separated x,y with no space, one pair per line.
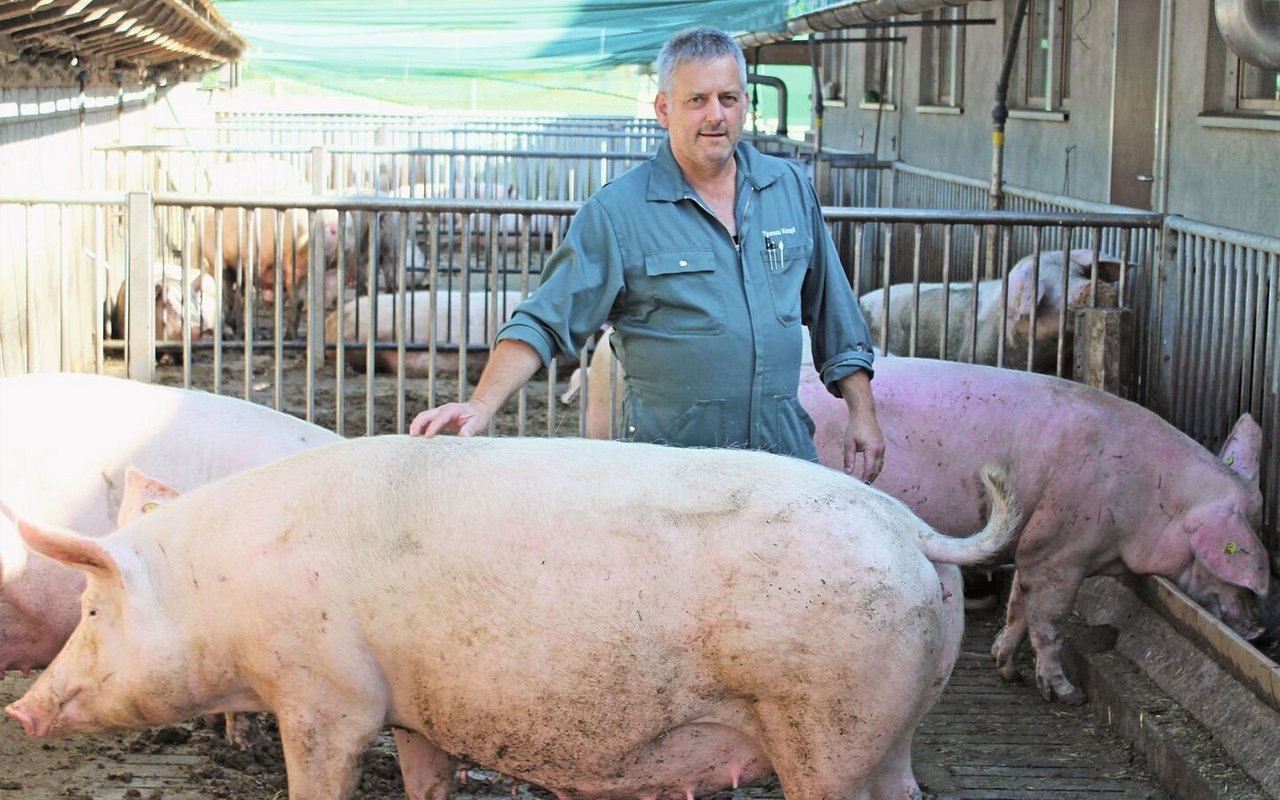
142,494
1224,543
1022,298
69,548
147,489
1109,267
1243,449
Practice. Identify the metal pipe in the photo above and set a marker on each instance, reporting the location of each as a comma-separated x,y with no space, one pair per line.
1248,32
1000,111
777,83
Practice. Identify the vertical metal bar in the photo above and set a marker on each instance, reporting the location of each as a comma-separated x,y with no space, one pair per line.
285,279
1037,244
946,291
371,290
917,241
402,322
187,297
220,280
433,273
100,283
64,283
315,345
140,350
340,335
249,274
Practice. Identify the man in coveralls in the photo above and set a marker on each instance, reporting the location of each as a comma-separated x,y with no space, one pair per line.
706,260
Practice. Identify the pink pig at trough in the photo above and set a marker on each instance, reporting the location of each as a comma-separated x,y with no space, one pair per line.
712,617
1106,486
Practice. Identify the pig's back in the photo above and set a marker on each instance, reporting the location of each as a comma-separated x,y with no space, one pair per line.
66,438
943,420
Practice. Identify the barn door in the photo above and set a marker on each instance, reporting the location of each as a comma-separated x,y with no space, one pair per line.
1133,109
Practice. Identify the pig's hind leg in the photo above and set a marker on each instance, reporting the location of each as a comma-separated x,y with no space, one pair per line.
1005,647
1038,604
817,755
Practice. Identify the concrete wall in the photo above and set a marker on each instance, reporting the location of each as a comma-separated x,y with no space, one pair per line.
1221,175
1218,171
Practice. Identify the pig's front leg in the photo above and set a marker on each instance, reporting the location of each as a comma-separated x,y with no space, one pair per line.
322,748
427,770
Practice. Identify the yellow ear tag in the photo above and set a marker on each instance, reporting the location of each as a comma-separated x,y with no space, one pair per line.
1230,549
1231,459
147,508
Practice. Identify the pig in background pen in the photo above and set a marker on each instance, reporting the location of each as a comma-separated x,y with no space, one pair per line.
967,322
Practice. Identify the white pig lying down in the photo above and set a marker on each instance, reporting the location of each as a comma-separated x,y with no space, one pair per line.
1107,486
1029,296
712,617
65,441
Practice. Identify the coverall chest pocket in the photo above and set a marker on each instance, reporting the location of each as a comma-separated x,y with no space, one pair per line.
786,268
683,292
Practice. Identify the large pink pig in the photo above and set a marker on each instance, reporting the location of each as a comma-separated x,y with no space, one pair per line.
718,615
65,441
1108,487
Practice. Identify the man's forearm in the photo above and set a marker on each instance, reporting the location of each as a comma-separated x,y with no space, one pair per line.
856,391
511,364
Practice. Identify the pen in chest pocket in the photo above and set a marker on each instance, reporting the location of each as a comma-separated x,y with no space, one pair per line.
773,253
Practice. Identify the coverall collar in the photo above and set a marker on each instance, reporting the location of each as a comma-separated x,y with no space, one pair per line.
666,182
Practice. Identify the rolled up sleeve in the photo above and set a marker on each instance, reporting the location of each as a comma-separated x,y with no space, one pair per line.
841,337
579,285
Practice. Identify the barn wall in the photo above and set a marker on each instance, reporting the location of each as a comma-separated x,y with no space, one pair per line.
1218,173
1220,168
53,257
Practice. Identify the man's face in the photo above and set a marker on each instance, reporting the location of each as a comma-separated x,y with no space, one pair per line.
704,110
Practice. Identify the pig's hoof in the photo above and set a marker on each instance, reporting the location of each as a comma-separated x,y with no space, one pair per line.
1062,689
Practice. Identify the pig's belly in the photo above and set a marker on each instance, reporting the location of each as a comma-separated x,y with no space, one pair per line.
689,760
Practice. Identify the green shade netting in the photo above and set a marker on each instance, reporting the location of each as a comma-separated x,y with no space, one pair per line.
311,39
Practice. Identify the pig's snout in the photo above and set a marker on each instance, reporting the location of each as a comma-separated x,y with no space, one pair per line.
39,713
1239,614
30,723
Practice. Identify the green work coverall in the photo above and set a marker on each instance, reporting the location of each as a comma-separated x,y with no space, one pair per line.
707,329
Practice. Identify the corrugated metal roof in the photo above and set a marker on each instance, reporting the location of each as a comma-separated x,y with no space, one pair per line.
838,16
158,36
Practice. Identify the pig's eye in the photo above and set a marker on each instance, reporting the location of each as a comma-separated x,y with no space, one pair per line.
93,612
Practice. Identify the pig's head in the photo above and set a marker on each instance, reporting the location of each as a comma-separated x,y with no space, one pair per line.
115,672
1229,569
1040,297
37,604
200,305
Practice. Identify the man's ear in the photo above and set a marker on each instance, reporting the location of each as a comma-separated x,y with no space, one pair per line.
661,108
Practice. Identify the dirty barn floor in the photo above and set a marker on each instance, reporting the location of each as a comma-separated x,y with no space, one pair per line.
985,740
